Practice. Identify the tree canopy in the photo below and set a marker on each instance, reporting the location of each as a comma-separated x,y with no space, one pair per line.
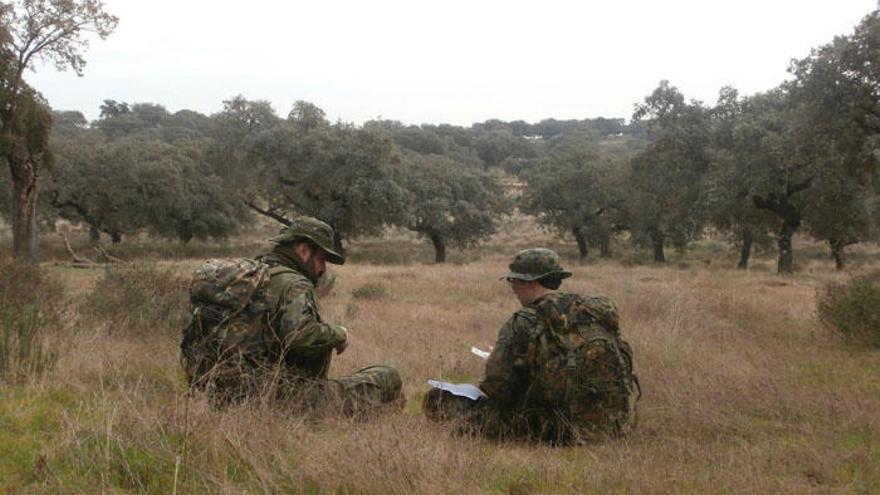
31,30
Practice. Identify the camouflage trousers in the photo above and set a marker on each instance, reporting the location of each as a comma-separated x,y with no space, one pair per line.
482,418
367,391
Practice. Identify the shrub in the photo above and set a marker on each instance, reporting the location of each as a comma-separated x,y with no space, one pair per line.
370,290
853,309
30,307
139,299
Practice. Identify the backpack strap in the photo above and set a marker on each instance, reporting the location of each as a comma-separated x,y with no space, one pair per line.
220,328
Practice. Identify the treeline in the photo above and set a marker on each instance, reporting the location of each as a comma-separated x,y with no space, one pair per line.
185,175
801,157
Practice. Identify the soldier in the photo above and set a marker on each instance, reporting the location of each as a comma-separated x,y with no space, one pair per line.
285,345
559,371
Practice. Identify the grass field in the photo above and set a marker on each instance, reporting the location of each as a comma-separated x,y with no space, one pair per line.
743,391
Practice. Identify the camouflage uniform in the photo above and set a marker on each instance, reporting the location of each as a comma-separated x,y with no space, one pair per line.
527,395
289,355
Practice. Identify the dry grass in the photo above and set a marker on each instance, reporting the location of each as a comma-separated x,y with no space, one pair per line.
743,393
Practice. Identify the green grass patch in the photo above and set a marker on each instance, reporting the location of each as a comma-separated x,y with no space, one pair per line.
30,424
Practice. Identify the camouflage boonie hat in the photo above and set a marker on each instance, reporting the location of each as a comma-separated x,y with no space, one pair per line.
314,230
534,264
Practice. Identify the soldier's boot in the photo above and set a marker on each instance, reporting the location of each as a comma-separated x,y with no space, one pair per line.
466,416
368,391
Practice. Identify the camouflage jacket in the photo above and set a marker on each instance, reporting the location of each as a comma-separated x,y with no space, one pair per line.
296,333
519,377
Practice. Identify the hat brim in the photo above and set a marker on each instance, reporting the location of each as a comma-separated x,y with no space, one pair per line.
332,256
527,277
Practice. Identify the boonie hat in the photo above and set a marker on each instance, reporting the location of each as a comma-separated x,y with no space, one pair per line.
536,263
314,230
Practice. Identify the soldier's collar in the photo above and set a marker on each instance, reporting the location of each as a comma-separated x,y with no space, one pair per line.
285,255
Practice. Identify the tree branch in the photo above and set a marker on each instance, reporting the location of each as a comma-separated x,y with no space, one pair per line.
76,259
275,216
801,186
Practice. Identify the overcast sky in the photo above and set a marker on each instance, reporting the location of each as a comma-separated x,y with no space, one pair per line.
453,61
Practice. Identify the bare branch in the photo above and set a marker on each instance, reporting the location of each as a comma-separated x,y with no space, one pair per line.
275,216
109,257
76,259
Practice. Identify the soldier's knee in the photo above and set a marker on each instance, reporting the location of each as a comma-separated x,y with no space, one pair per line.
387,378
393,382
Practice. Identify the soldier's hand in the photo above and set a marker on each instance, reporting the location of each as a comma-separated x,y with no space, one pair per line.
340,347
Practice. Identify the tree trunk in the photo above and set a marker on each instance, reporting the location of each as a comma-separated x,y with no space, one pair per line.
605,246
24,208
837,247
439,248
581,240
785,264
657,241
94,234
115,237
745,251
782,206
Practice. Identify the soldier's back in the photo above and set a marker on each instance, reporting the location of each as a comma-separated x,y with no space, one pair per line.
581,370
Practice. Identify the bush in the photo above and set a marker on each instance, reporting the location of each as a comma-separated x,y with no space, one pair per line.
370,290
853,309
139,299
30,307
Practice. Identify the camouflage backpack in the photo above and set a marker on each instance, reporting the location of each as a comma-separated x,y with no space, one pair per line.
228,313
581,369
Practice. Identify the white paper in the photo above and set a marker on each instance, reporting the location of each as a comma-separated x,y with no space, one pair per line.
468,390
479,352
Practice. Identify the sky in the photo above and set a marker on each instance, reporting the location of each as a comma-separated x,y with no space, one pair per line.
452,61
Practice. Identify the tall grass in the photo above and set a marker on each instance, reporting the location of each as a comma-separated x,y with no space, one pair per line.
139,298
742,394
31,307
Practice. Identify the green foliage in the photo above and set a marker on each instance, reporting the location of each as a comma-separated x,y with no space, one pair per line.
31,31
836,93
451,204
414,138
231,151
96,183
728,183
68,122
139,299
306,116
454,142
666,176
340,174
188,201
30,311
852,309
575,190
123,186
151,121
495,147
